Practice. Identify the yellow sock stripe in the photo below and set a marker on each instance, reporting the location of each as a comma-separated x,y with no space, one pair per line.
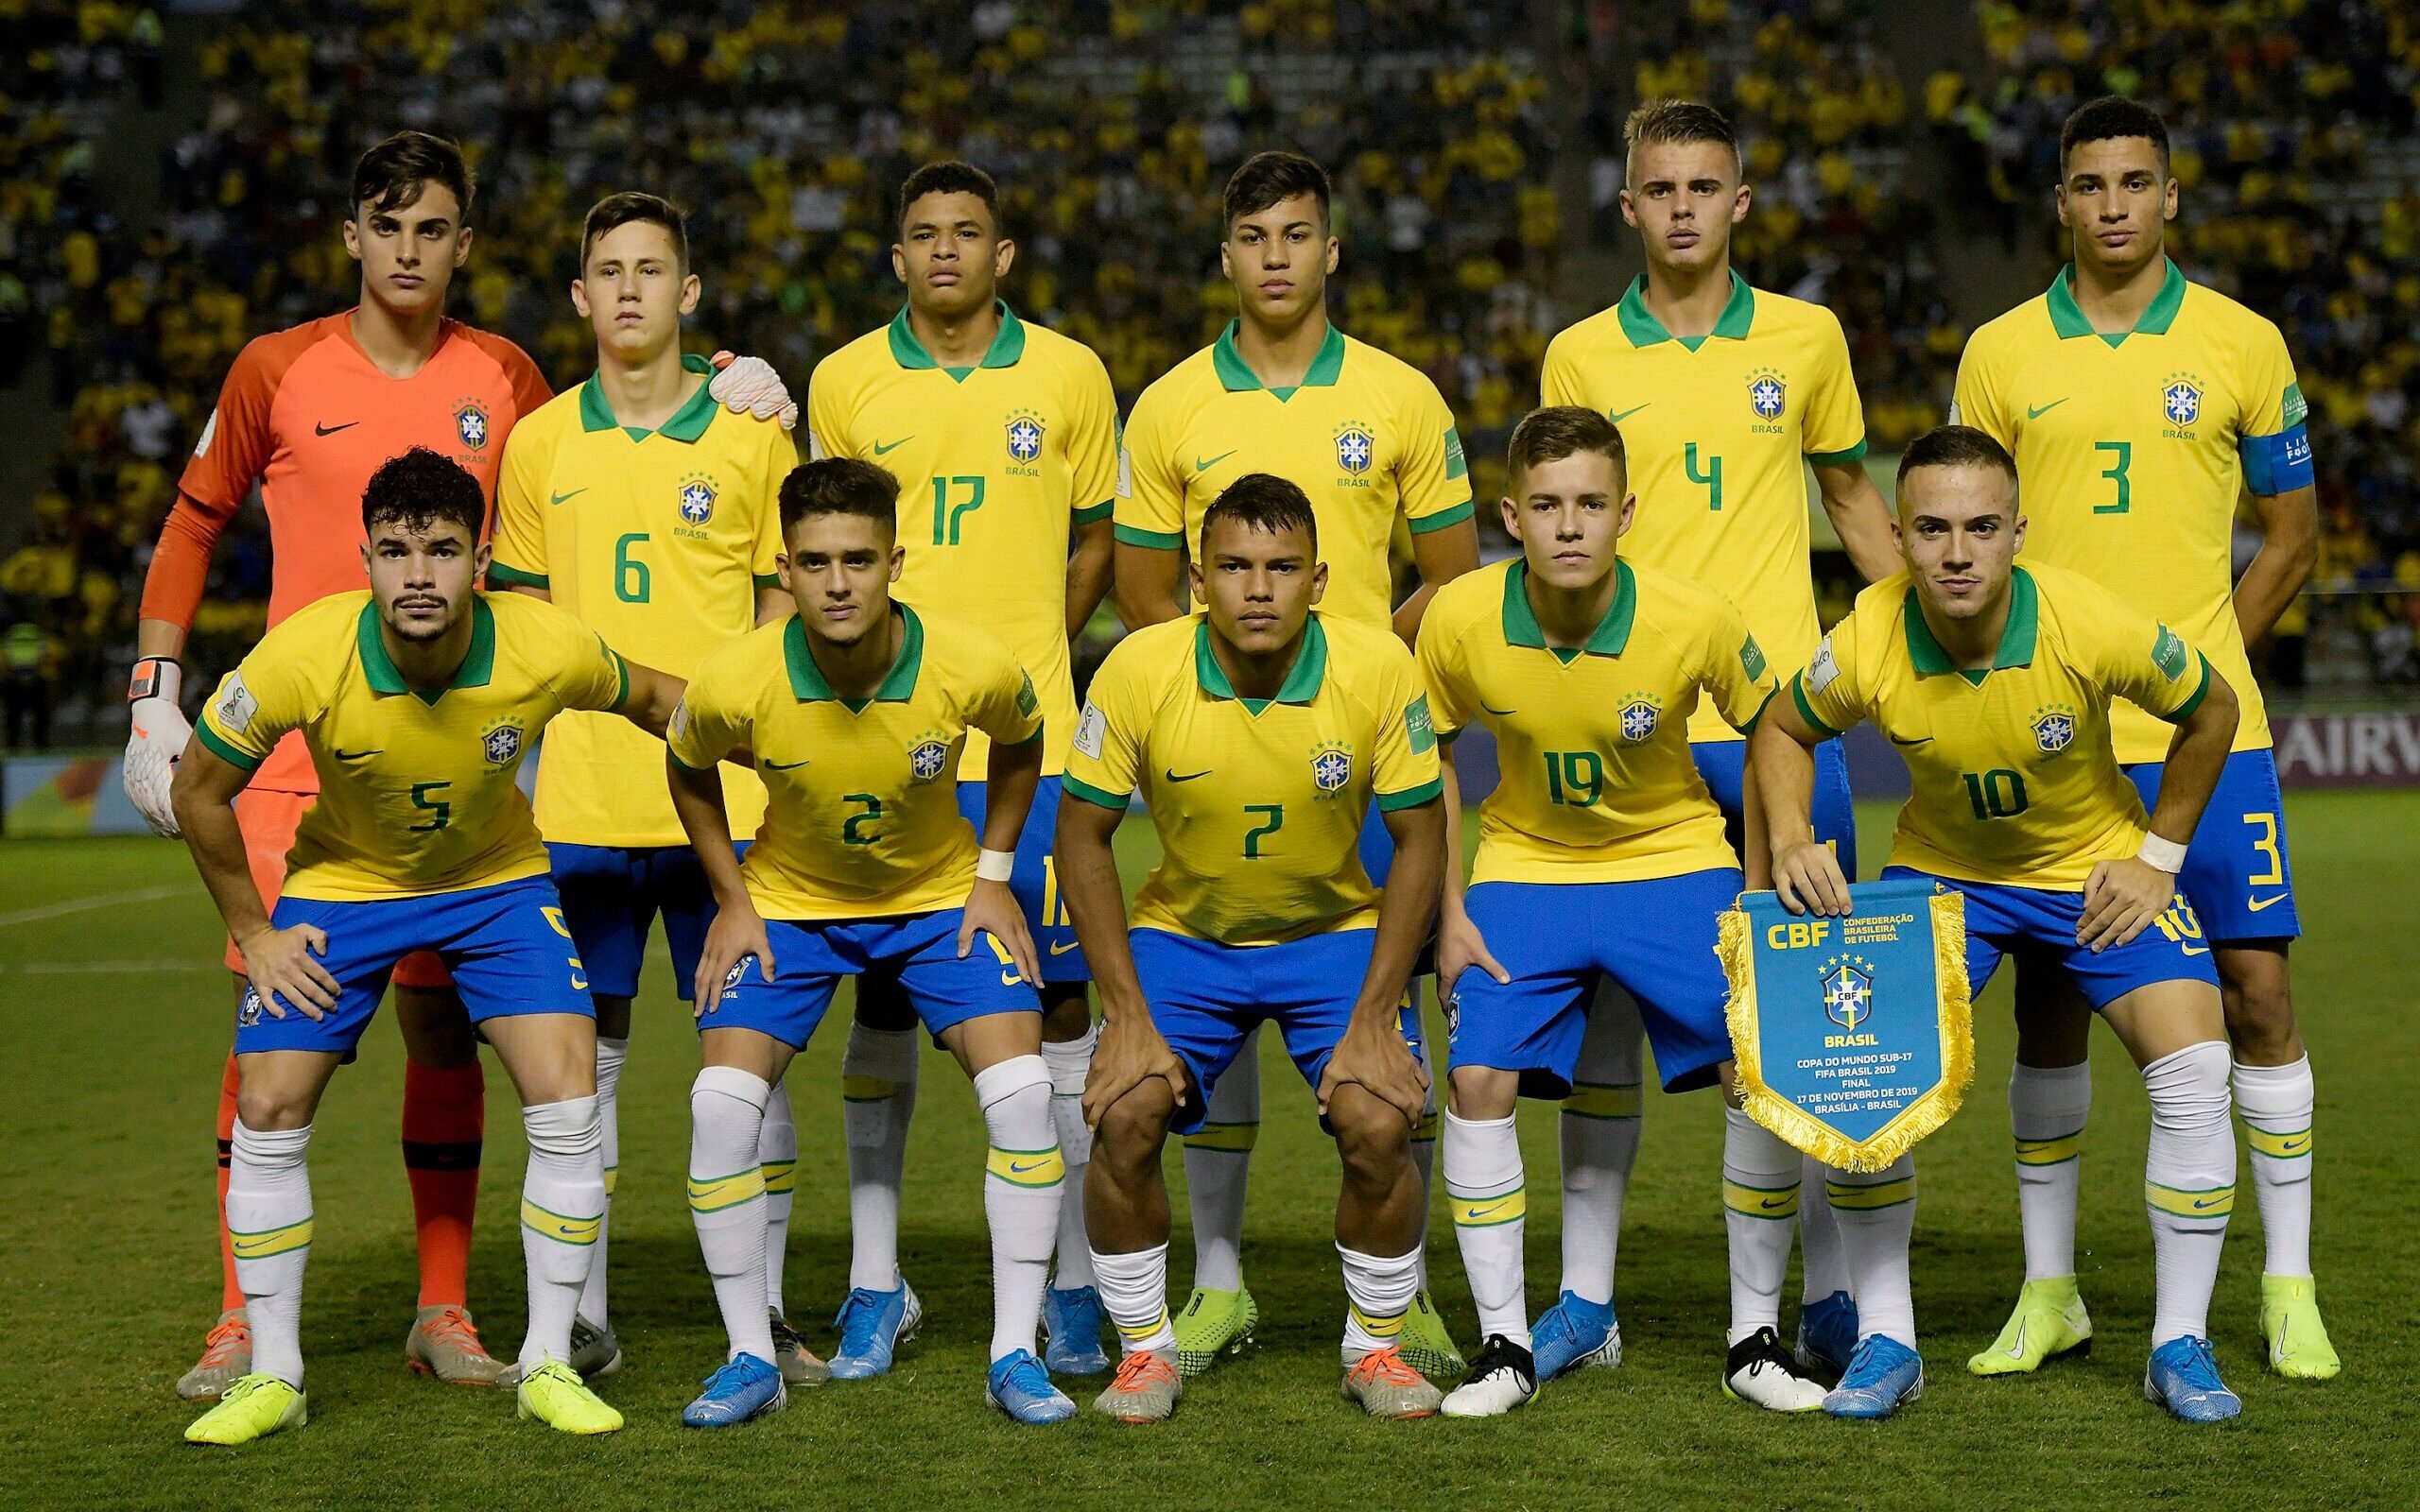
1236,1139
780,1177
867,1088
1594,1100
1762,1202
1861,1199
2050,1152
612,1178
1486,1213
710,1194
557,1226
2291,1144
1028,1168
262,1243
1145,1331
1425,1131
2188,1202
1378,1328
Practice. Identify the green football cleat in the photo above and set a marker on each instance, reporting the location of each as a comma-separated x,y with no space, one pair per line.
2298,1346
254,1407
2050,1320
1213,1324
1426,1344
555,1395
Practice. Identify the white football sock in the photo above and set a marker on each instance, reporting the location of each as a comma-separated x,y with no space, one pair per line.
562,1207
1378,1290
1877,1215
1068,1060
1760,1180
2188,1184
1217,1161
1134,1294
1600,1133
727,1199
1026,1176
777,1154
609,1053
1483,1187
2046,1108
1824,1264
2275,1104
878,1098
268,1217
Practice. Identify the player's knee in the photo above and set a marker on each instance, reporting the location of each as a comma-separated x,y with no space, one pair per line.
1066,1011
2260,1018
1371,1138
1483,1091
1132,1128
266,1106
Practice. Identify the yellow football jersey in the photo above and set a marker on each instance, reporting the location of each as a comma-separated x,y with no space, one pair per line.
1258,803
416,789
1719,430
2132,451
997,464
1366,436
861,818
2015,780
659,540
1597,781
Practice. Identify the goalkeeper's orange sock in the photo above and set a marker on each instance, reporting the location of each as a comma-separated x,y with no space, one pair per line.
231,1296
444,1119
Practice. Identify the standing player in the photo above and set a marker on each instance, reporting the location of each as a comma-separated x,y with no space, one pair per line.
416,701
2139,408
636,503
854,711
1371,441
1726,394
1260,733
1004,438
1998,681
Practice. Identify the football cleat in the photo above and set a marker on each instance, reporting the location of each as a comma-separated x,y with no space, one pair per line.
444,1345
1018,1385
555,1395
1828,1334
1071,1323
2298,1346
2050,1321
226,1357
594,1352
2183,1377
1575,1334
1760,1372
252,1406
1213,1324
1144,1389
1386,1386
1883,1376
1427,1344
1502,1378
873,1325
745,1387
797,1363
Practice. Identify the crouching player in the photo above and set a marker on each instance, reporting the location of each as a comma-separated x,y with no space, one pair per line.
417,700
1259,733
854,711
1994,681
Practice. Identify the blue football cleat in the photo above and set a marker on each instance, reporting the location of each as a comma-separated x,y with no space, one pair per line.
1883,1376
2183,1377
1018,1386
1575,1334
1071,1321
747,1388
873,1325
1827,1333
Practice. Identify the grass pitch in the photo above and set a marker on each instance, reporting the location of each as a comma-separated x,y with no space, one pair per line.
116,1015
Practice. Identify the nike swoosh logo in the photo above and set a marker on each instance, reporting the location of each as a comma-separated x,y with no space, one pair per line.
2200,1203
1188,777
1920,740
1205,464
2290,1146
2195,950
2259,904
886,448
1625,414
325,429
1027,1169
1500,713
1774,1202
1011,979
1062,950
2032,413
784,766
357,755
558,498
2017,1351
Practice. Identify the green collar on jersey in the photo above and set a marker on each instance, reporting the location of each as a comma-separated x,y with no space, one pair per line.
1612,634
809,685
687,423
1302,679
2016,638
1235,375
380,669
1644,330
1006,347
2068,318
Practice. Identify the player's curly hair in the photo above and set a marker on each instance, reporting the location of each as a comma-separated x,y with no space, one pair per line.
1263,501
392,174
1668,122
1558,431
951,177
1269,179
2111,118
1955,446
421,488
614,211
840,485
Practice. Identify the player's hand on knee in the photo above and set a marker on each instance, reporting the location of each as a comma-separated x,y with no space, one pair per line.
157,740
1373,1057
991,908
1808,876
1131,1051
1460,947
736,934
283,966
2120,899
749,385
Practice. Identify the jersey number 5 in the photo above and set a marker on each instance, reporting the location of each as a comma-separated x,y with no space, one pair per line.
440,812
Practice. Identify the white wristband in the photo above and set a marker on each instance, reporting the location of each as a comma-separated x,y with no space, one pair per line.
994,865
2162,855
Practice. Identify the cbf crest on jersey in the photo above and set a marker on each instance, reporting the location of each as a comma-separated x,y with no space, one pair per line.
927,757
1025,435
2180,399
502,743
1768,394
470,424
1639,713
1355,448
697,496
1331,767
2054,728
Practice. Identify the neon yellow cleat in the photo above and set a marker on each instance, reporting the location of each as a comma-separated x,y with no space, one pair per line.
1213,1324
1427,1345
555,1395
2298,1346
254,1407
2050,1320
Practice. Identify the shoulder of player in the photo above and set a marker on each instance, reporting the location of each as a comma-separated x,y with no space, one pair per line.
958,646
1468,599
737,669
1576,339
1399,379
1681,610
2015,324
317,630
547,423
855,357
1783,314
1060,351
1367,663
2227,320
534,632
1178,387
265,359
2068,604
1878,609
1156,658
502,350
